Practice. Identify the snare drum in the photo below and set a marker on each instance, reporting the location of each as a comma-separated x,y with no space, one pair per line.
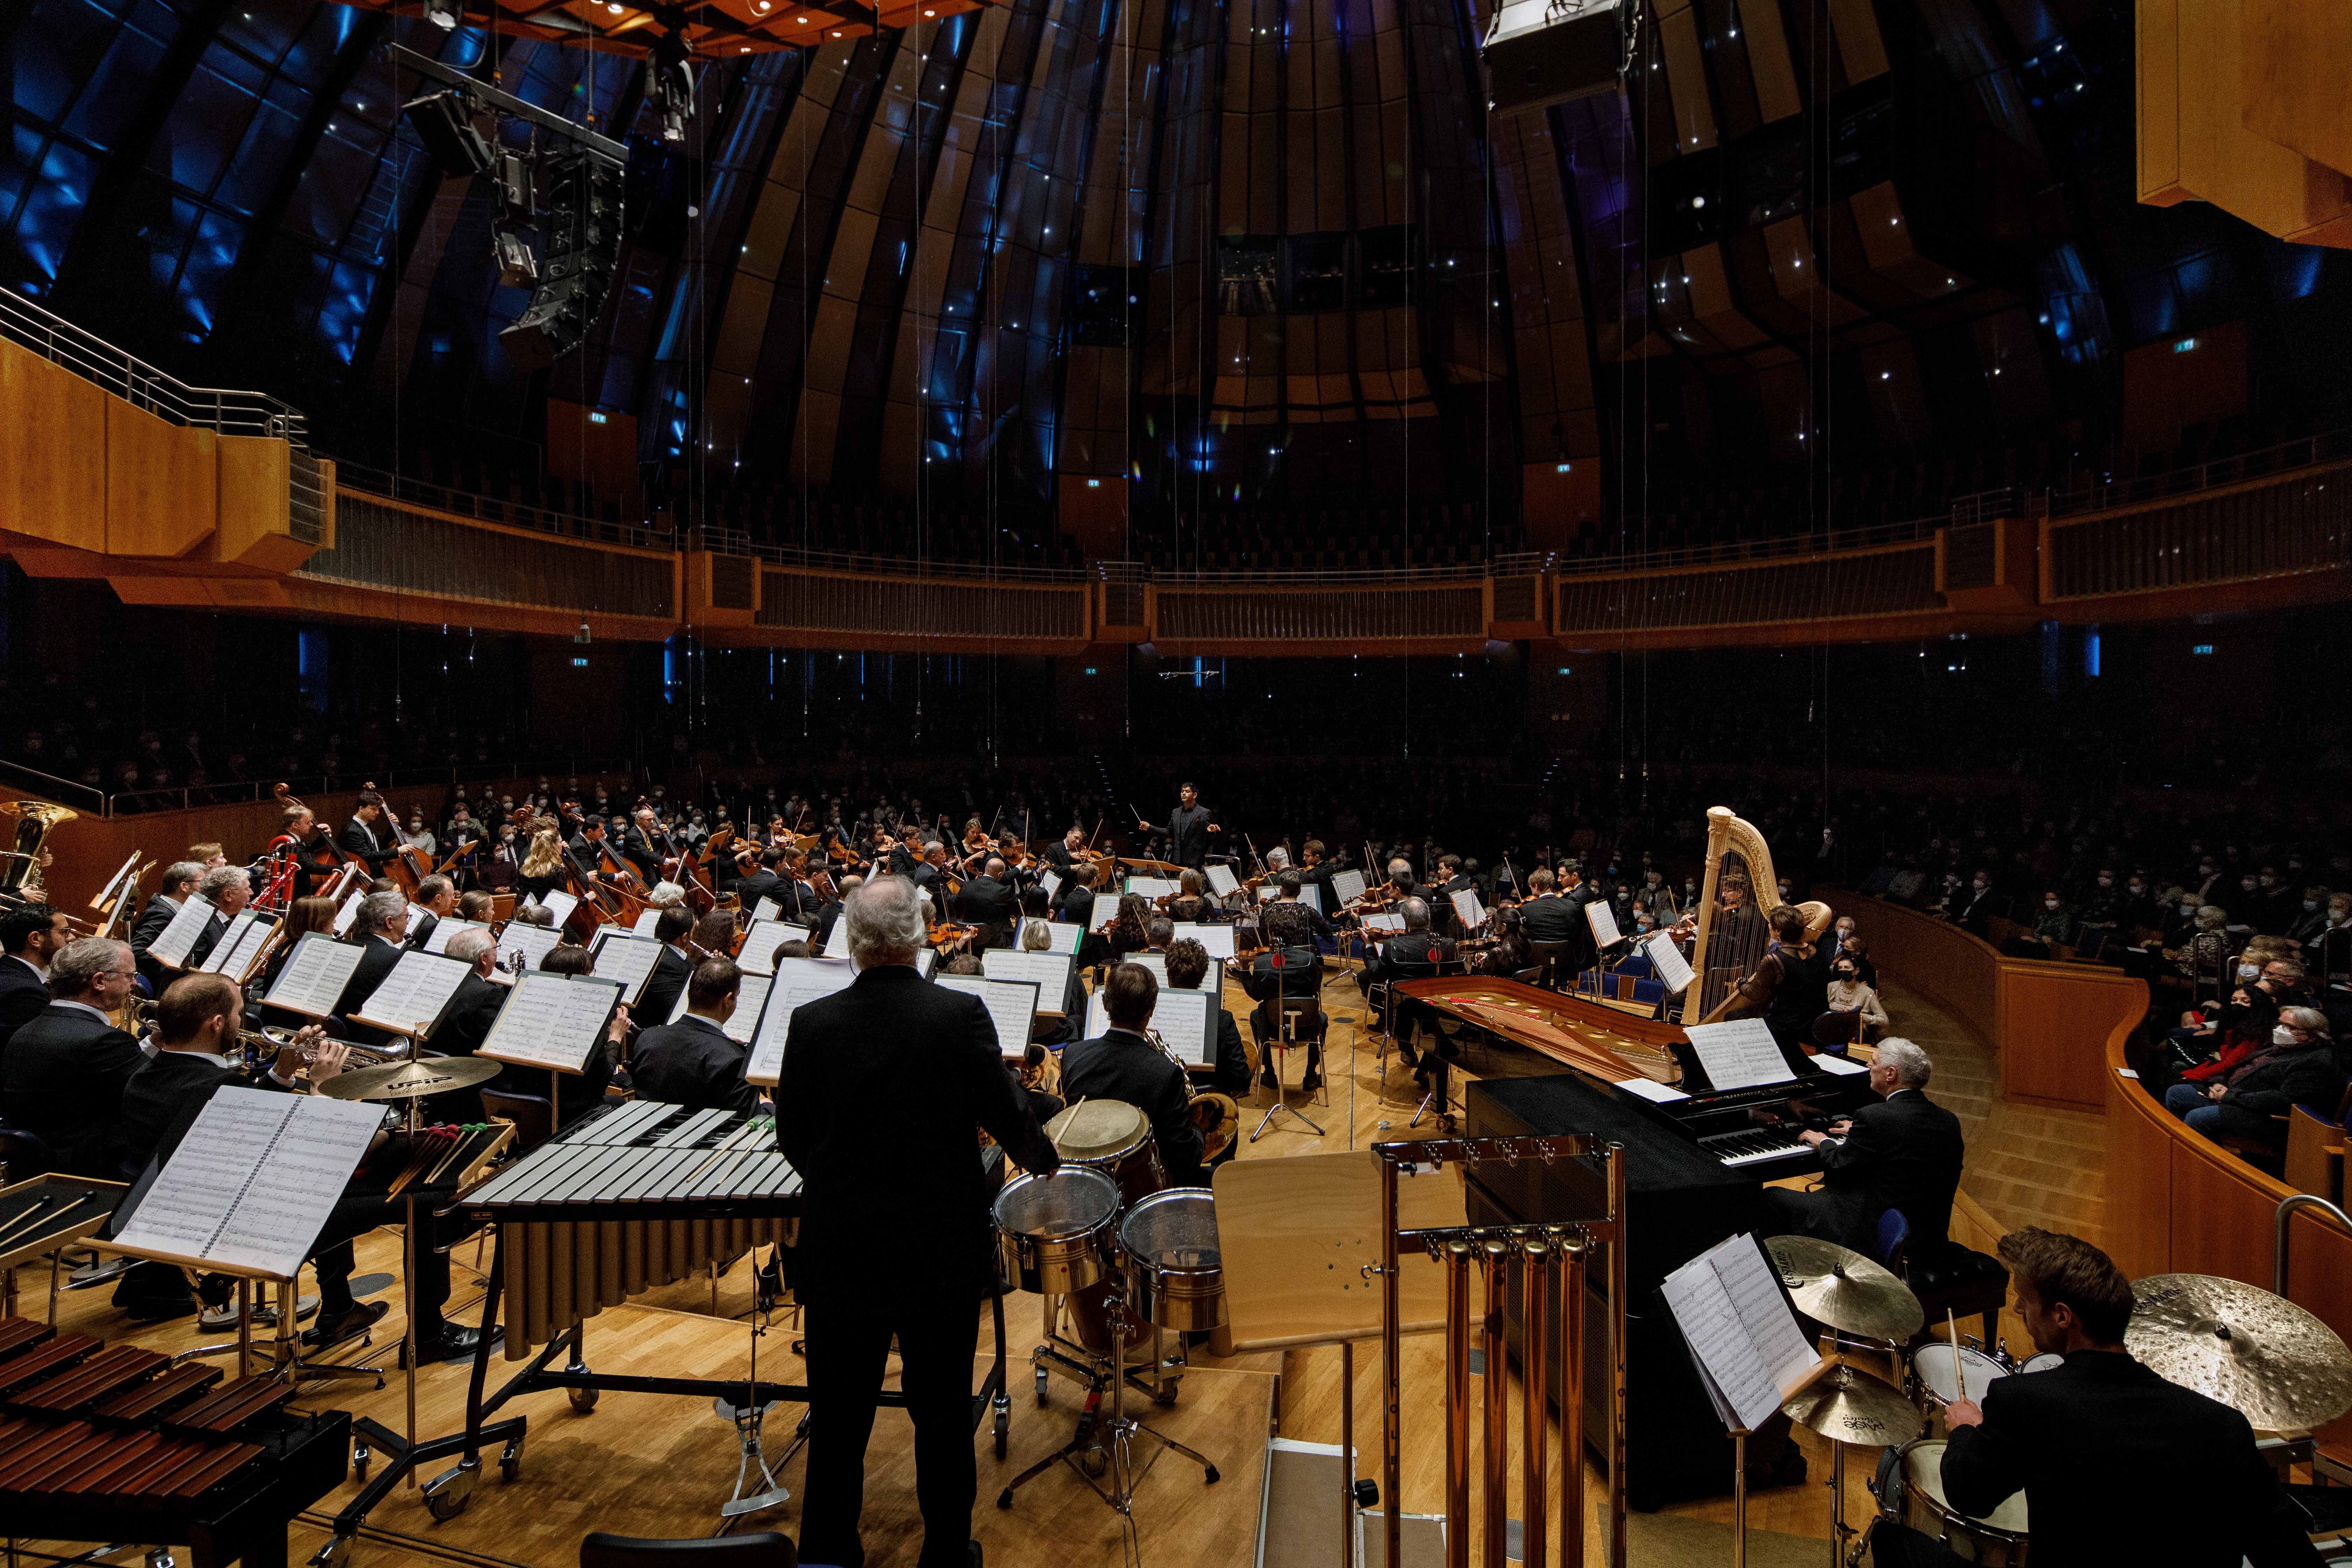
1055,1232
1936,1377
1115,1138
1999,1542
1175,1274
2043,1362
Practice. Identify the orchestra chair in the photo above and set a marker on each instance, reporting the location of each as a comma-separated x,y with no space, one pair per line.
766,1550
532,1114
24,1155
1962,1283
1302,1023
1549,957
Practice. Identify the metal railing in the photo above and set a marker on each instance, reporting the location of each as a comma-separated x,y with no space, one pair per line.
2107,491
58,341
733,542
1912,531
493,509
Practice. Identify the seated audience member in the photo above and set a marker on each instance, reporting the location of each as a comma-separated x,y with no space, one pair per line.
1855,1013
2298,1067
62,1074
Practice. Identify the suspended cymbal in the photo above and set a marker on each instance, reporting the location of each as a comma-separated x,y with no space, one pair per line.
1841,1288
2260,1355
407,1080
1851,1407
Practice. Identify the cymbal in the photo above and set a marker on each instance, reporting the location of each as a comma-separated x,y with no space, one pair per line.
407,1080
1841,1288
1850,1405
2260,1355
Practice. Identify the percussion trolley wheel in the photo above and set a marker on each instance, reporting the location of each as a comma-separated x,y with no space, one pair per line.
446,1494
511,1462
584,1400
362,1455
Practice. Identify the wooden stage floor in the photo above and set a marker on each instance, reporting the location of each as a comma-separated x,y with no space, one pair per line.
660,1466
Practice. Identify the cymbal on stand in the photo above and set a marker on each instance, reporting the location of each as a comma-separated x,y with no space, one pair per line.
1849,1406
1839,1286
2260,1355
408,1080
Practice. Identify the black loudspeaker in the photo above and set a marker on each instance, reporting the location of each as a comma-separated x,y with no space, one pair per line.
581,248
444,122
1542,52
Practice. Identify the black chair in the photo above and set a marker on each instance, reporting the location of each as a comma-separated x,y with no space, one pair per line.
24,1155
1956,1281
533,1116
765,1550
1550,956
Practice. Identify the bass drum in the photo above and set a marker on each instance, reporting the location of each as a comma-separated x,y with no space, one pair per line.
1909,1487
2043,1362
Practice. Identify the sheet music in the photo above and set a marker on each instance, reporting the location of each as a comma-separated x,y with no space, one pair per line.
1185,1019
551,1021
927,959
647,918
315,974
1651,1089
1213,981
1467,909
1829,1061
767,908
446,927
1222,881
1105,909
1740,1054
349,912
1741,1331
1673,969
1151,887
1061,936
758,952
1218,939
798,980
250,1186
750,996
417,915
1384,925
106,895
1311,895
414,994
836,940
1052,883
627,959
1603,922
533,942
559,905
188,922
1012,1007
1347,886
217,960
1049,972
258,933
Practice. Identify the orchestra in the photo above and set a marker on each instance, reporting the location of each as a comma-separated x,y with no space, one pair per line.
110,1047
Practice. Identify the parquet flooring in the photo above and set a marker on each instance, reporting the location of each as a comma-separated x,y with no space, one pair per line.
651,1465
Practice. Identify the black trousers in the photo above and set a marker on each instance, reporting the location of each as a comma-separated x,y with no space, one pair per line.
1893,1545
848,1343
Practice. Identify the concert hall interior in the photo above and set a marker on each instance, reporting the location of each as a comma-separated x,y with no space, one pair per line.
1331,783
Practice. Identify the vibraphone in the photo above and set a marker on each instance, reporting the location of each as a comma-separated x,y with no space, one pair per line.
636,1197
116,1444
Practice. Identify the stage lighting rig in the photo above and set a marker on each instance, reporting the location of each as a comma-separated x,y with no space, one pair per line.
443,14
672,81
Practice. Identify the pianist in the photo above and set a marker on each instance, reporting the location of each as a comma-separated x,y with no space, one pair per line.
1903,1152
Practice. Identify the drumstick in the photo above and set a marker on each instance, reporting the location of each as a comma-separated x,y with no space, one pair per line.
1960,1367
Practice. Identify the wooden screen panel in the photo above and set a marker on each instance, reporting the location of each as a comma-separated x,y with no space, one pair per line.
52,451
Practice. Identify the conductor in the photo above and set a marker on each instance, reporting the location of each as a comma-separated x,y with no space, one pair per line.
895,1231
1188,830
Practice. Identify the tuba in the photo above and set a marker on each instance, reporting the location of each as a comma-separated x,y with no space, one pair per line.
1730,941
21,862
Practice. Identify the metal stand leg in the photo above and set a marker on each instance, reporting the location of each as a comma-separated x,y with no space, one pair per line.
1281,1105
1739,1498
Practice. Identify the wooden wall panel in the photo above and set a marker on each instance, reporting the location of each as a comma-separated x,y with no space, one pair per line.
254,476
1932,955
52,451
162,484
2053,1024
2139,1179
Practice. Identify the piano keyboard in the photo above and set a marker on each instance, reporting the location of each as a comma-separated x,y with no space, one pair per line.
1753,1147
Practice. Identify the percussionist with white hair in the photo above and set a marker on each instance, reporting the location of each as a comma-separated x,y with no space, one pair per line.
1901,1152
882,1084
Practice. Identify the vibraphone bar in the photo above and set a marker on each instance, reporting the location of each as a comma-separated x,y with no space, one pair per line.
116,1444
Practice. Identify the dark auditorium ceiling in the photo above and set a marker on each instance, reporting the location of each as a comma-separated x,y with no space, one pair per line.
1255,252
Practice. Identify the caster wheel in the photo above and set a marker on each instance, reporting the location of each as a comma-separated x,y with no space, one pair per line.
997,1429
446,1494
1209,1476
510,1463
445,1509
584,1400
361,1459
1004,1499
1041,1385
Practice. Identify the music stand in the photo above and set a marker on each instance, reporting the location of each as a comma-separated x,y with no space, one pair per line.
1288,1011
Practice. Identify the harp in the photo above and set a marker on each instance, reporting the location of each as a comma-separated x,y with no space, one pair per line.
1739,892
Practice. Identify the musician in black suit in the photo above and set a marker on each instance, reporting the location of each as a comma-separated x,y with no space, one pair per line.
1903,1152
2116,1464
380,927
929,1055
1288,968
988,902
693,1062
1123,1064
62,1073
761,883
1061,856
658,999
180,879
637,840
30,936
1187,966
228,889
367,836
1188,830
1442,917
465,1022
437,895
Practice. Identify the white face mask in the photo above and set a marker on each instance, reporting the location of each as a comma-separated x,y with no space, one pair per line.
2282,1036
1979,887
2048,903
2248,971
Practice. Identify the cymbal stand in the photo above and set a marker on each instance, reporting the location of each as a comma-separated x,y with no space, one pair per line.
1117,1440
747,1417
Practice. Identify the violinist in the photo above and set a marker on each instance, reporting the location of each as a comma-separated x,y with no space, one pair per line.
989,903
931,879
542,870
1190,902
1129,929
829,912
1288,885
1507,951
1287,967
1450,882
906,855
437,896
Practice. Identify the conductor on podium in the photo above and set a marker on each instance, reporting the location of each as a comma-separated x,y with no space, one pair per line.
881,1087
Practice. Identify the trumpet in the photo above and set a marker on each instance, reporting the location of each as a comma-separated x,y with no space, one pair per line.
1218,1115
267,1041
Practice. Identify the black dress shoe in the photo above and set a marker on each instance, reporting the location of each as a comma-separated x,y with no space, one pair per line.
158,1308
334,1328
453,1343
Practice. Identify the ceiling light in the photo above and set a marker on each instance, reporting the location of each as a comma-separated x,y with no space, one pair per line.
613,8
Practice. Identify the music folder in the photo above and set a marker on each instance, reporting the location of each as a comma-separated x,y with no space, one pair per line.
1741,1331
1012,1008
188,922
553,1021
315,974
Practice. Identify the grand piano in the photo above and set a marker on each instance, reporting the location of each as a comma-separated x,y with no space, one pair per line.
1696,1176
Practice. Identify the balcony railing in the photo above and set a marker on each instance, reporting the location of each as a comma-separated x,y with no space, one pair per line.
492,509
141,384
